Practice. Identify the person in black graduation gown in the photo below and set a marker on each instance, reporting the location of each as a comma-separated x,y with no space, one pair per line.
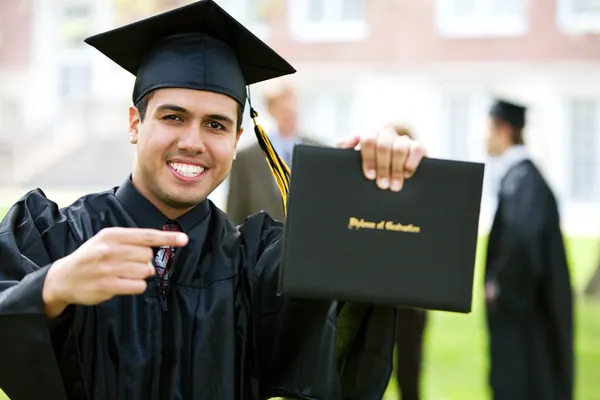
528,287
97,302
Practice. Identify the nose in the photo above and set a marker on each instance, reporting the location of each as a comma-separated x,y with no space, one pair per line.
192,140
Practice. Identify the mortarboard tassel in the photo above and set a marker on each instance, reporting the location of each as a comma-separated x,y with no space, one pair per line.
279,168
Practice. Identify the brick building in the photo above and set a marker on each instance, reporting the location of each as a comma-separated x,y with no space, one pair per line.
432,64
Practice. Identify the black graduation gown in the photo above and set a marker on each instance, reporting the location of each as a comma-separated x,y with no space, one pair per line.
531,322
225,335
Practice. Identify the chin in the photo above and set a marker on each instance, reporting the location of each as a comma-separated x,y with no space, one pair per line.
181,198
184,202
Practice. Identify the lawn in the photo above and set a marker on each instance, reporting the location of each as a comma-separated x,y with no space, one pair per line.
455,352
456,345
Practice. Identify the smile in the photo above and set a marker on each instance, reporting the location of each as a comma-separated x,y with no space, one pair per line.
186,170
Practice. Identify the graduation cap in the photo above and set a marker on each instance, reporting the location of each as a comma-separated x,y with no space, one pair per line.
198,46
513,114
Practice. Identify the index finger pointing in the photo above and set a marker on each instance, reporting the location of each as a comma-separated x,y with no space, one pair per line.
153,237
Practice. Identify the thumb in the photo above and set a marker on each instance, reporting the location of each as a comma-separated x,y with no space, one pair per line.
348,143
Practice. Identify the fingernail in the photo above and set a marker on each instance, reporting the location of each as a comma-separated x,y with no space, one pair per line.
371,174
383,183
396,185
182,239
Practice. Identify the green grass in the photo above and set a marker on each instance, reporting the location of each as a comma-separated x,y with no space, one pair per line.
455,360
455,365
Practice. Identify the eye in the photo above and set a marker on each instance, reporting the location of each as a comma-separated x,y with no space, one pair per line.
172,117
215,125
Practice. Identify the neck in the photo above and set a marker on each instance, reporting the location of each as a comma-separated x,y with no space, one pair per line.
169,212
510,147
286,133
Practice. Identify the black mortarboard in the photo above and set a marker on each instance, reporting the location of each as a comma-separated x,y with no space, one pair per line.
198,46
511,113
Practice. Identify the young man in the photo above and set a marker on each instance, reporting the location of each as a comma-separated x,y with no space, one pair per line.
99,300
527,284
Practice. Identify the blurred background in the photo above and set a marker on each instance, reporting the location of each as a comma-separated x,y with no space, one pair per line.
431,65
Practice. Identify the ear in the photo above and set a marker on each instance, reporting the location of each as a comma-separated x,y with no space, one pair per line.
506,133
238,136
134,124
237,139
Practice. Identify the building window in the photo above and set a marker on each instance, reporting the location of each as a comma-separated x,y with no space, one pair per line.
75,80
464,121
326,115
326,21
76,24
457,111
481,18
579,16
76,19
251,13
583,133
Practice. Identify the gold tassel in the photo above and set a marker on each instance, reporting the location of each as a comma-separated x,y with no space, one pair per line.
279,168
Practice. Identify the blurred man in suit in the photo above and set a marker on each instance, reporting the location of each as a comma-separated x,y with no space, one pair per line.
527,283
252,187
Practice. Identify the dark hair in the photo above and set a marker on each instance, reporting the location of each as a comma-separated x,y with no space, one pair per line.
516,132
142,106
517,136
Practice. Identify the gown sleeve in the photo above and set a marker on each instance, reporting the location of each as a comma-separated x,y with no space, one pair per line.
311,349
519,267
26,253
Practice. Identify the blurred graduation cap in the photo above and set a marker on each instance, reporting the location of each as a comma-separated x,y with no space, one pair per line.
198,46
511,113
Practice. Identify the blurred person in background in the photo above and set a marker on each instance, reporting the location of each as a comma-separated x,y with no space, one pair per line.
410,330
527,284
252,187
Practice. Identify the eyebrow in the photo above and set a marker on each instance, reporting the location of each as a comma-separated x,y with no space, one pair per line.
172,107
222,118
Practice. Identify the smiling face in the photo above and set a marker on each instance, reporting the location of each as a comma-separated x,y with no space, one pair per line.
185,146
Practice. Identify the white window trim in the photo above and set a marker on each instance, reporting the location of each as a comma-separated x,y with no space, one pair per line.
479,103
238,9
450,26
302,30
567,121
80,56
320,120
571,22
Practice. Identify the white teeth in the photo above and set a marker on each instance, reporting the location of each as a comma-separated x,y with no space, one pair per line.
187,170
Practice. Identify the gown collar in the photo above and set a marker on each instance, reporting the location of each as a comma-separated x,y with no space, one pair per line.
512,157
146,215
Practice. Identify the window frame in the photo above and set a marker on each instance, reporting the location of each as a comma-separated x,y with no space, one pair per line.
75,55
331,29
239,10
569,21
482,23
572,192
320,103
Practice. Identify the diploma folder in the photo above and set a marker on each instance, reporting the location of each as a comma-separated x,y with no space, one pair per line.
347,240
